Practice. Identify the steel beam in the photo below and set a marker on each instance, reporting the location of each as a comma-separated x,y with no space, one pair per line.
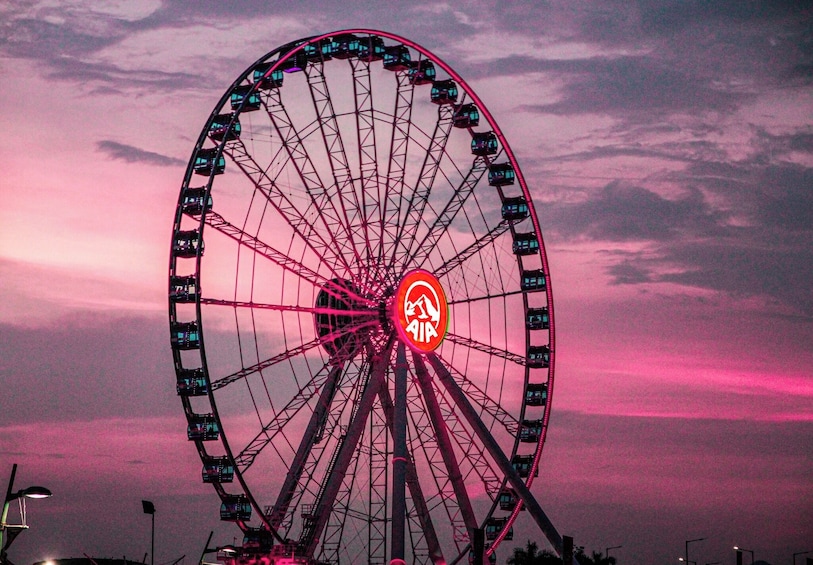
445,444
316,422
399,457
312,533
480,430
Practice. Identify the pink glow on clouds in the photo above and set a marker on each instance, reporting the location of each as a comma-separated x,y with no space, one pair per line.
41,295
99,470
137,451
678,407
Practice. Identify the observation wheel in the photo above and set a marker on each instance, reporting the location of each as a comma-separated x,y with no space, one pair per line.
364,347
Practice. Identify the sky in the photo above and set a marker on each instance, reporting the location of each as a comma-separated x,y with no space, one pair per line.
669,147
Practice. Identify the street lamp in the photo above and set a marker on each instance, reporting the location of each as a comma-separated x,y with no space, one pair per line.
739,554
682,560
149,508
14,529
223,552
801,553
686,555
607,550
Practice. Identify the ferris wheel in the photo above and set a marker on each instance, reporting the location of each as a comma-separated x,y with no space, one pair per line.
364,347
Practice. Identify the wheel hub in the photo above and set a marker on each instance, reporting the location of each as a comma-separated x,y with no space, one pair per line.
333,298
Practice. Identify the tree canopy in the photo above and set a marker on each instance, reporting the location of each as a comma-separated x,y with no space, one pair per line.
531,555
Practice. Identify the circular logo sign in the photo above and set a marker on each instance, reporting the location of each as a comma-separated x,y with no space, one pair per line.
421,311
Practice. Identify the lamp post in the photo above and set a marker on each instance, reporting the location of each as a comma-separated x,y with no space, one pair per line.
740,550
682,560
607,550
149,508
223,552
801,553
686,554
10,531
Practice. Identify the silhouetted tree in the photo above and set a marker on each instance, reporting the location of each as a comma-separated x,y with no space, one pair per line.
597,558
530,555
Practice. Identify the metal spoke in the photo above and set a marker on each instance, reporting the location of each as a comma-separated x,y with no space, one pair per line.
335,531
485,297
377,496
485,348
367,313
367,153
448,214
321,457
396,168
442,496
322,200
464,255
472,451
343,188
219,223
246,457
408,226
301,226
288,354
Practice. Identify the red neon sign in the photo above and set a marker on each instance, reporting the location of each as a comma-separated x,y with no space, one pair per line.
421,311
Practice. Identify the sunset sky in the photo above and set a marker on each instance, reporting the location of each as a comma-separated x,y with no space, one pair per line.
669,147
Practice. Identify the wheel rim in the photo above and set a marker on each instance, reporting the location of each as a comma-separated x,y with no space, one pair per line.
336,184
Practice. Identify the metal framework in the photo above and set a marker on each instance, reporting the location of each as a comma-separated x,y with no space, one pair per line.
331,168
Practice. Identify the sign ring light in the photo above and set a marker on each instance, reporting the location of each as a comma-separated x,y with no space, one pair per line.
421,311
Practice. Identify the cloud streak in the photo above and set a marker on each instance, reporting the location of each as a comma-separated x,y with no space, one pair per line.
130,154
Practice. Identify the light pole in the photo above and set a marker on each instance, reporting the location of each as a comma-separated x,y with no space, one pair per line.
607,550
801,553
740,550
149,508
686,555
223,552
682,560
14,529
